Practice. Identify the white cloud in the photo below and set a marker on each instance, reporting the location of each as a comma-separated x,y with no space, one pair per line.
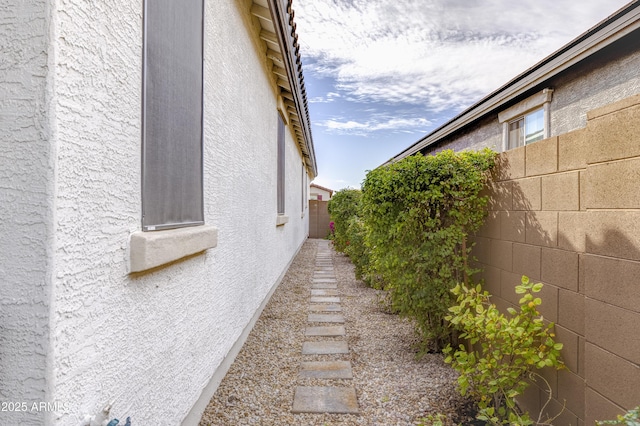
330,97
438,54
363,128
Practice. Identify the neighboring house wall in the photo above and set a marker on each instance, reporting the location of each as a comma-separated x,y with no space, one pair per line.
153,342
604,77
565,211
26,174
320,194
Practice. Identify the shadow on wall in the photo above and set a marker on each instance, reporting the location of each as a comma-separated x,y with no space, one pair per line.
589,261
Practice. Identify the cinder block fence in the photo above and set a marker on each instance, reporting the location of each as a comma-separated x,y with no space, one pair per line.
565,211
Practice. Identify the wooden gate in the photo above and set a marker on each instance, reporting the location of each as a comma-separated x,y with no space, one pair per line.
318,219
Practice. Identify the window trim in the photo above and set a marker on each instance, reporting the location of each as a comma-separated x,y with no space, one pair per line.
148,250
540,100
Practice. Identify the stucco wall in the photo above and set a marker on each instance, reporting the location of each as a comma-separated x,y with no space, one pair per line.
565,211
25,211
149,341
315,191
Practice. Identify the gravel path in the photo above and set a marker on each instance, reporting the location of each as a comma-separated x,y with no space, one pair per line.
393,388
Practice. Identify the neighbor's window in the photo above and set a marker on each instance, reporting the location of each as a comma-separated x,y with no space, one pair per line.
526,129
281,164
527,121
172,182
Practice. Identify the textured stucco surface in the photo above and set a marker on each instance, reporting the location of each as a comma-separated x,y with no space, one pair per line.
149,342
25,209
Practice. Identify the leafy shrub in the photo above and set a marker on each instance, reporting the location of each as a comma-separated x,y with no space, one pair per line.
631,418
505,350
357,248
417,214
343,206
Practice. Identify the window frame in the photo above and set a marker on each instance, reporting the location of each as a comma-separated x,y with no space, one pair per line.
539,102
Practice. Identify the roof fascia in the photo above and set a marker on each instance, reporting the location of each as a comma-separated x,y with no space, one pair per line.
282,15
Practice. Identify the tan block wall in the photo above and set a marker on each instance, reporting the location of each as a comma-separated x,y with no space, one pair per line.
565,211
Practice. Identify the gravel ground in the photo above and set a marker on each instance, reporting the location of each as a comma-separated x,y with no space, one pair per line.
393,387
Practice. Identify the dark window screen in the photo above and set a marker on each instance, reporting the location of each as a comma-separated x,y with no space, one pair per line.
281,165
172,190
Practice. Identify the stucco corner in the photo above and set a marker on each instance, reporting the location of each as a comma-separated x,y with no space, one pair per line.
151,249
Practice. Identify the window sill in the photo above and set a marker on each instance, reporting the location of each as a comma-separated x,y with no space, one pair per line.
148,250
282,219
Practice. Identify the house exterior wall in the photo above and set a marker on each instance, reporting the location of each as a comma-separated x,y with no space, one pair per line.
315,191
608,76
25,194
565,211
151,342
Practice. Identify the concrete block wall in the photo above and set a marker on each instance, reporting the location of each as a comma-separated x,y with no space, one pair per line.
565,211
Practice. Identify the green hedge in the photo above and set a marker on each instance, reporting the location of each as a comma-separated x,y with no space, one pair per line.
407,230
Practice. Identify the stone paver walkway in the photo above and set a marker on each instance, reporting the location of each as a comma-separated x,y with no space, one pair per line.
324,320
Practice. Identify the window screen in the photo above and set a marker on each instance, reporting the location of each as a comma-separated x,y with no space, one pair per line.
172,114
281,165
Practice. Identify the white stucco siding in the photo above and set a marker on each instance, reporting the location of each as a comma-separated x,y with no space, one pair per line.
25,213
151,341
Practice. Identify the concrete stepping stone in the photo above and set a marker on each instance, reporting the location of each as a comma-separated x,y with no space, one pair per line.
323,280
326,347
325,308
325,318
323,292
326,370
324,299
324,286
326,331
325,399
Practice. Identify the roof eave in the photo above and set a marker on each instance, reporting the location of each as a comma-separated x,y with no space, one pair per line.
292,64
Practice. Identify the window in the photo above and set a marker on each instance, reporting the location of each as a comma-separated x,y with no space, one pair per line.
303,192
526,121
526,129
172,171
281,165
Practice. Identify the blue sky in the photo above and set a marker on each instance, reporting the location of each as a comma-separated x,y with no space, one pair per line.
381,74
